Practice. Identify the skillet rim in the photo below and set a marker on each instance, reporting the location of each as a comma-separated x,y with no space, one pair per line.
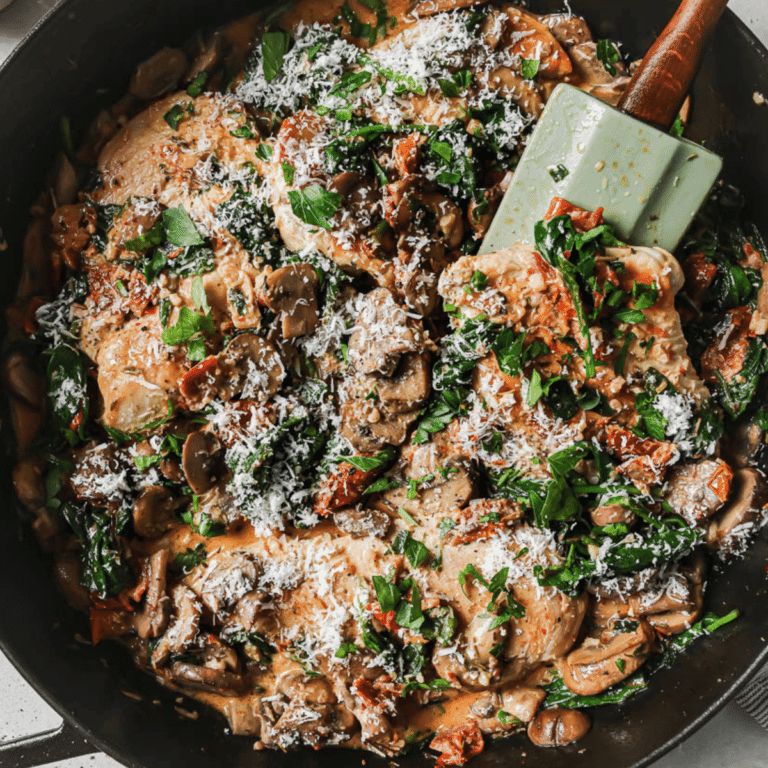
71,720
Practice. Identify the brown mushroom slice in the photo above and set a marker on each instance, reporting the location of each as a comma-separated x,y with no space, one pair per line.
207,56
557,727
588,68
567,29
696,491
368,429
158,74
67,571
153,620
228,577
742,449
523,701
598,665
382,335
750,496
183,628
292,293
251,368
243,721
610,514
202,461
409,387
153,511
218,681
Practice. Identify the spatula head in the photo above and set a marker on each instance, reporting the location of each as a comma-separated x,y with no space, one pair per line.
651,184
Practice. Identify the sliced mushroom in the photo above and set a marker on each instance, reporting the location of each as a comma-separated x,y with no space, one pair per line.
228,577
368,429
28,481
303,707
696,491
382,335
523,702
750,496
589,68
207,56
67,572
361,522
251,368
567,29
183,628
158,74
292,293
557,727
153,620
598,665
409,387
197,678
243,721
610,514
202,461
743,448
153,511
413,202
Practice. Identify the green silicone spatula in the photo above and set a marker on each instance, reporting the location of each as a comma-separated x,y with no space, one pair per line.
623,159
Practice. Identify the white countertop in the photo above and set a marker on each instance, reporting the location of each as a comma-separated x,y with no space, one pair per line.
732,739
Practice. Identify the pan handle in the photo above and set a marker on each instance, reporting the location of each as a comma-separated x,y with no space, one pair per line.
63,743
658,88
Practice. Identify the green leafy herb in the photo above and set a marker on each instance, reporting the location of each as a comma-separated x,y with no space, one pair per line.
149,239
558,172
607,55
414,550
345,649
264,152
104,570
408,518
381,485
530,68
535,390
628,315
195,88
288,172
174,116
67,391
314,205
369,463
205,526
387,593
274,46
186,561
677,128
559,695
478,281
179,228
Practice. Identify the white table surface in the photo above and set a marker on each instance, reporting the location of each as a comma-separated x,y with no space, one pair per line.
732,739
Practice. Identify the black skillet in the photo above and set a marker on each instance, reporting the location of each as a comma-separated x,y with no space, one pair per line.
105,39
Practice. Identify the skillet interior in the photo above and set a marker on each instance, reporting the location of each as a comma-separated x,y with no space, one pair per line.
106,39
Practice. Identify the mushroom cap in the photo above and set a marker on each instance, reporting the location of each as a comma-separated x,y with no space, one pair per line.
251,367
201,461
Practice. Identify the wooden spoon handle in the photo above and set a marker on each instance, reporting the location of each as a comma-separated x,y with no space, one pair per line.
659,86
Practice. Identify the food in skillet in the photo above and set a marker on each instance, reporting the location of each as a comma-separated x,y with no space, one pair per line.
323,468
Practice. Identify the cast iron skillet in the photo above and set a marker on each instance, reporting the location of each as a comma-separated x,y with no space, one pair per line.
105,39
